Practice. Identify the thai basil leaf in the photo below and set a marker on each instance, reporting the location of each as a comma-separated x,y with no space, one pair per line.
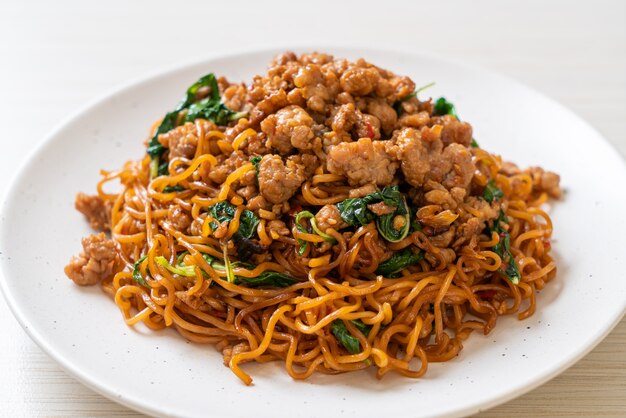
387,224
209,108
356,213
137,277
212,110
224,211
173,189
444,107
509,267
398,262
365,329
492,191
255,162
248,222
267,278
207,80
346,339
415,224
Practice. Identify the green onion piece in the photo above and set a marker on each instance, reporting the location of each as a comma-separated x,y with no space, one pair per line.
305,214
186,271
230,276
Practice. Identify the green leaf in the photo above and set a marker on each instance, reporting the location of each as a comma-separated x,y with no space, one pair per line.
163,169
365,329
224,211
444,107
208,80
346,339
474,144
255,162
248,222
355,212
267,279
415,224
398,262
173,189
209,108
212,110
137,277
492,191
509,267
386,224
209,259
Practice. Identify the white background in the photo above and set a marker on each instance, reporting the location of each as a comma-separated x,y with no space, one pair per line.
56,56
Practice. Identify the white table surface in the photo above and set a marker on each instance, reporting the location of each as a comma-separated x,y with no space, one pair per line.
55,56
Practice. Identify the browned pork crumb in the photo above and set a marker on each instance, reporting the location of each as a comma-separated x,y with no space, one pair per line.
279,181
359,81
288,128
386,114
545,181
454,131
96,210
179,218
424,158
99,260
227,165
471,226
234,96
329,217
454,168
192,301
276,227
362,191
381,208
362,162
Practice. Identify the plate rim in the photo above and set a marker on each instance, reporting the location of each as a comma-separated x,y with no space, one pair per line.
101,388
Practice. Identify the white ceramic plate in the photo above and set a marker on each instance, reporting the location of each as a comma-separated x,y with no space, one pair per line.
162,374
